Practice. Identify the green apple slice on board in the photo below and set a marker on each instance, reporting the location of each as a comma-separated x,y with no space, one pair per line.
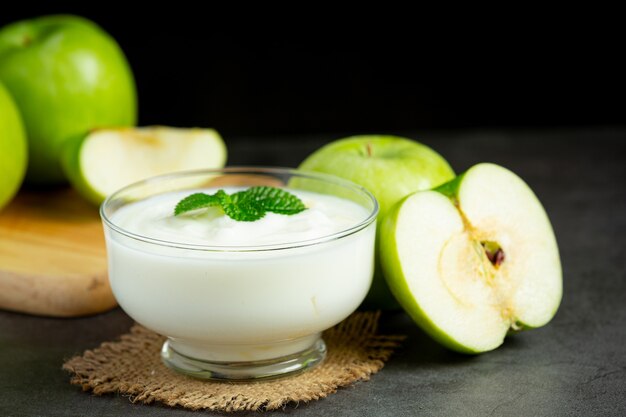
106,160
473,259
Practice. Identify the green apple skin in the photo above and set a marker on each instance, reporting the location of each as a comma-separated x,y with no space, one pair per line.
13,148
70,160
390,167
66,76
392,266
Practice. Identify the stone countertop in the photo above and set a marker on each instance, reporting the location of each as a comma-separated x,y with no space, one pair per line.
576,365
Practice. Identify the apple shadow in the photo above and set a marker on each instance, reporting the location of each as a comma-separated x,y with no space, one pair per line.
420,350
55,203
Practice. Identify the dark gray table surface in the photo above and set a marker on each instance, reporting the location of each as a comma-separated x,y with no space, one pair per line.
576,365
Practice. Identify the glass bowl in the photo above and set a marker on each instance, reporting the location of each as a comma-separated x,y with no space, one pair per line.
240,312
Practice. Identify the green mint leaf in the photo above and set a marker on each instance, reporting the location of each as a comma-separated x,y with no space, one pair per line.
275,200
196,201
246,206
241,209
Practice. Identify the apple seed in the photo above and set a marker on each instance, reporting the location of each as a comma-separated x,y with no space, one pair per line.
494,253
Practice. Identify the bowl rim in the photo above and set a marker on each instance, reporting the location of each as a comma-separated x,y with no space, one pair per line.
371,217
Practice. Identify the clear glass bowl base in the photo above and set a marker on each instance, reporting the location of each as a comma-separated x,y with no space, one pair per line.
244,371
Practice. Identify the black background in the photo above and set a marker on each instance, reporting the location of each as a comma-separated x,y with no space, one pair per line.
284,72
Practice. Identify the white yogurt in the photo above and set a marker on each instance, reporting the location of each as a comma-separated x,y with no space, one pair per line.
153,217
228,305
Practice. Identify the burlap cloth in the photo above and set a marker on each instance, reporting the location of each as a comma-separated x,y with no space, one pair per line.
132,366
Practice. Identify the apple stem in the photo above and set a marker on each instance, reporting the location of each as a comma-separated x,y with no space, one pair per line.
369,149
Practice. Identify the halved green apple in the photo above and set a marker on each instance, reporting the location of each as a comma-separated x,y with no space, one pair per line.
106,160
473,259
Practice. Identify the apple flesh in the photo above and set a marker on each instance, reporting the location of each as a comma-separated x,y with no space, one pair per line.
67,76
108,159
473,259
13,154
390,167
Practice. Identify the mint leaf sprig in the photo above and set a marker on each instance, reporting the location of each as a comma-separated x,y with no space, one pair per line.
244,206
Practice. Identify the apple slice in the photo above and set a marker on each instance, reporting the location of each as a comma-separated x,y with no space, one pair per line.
473,259
108,159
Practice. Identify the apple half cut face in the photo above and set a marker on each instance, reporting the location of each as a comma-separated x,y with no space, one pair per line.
473,259
108,159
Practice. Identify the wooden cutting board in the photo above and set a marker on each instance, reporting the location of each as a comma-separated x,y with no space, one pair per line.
52,256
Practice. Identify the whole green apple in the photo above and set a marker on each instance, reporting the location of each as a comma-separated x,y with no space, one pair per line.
67,76
391,168
13,152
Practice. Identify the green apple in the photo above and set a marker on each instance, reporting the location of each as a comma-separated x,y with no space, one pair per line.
106,160
473,259
66,76
13,152
390,167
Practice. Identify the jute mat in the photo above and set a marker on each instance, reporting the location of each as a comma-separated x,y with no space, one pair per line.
132,366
